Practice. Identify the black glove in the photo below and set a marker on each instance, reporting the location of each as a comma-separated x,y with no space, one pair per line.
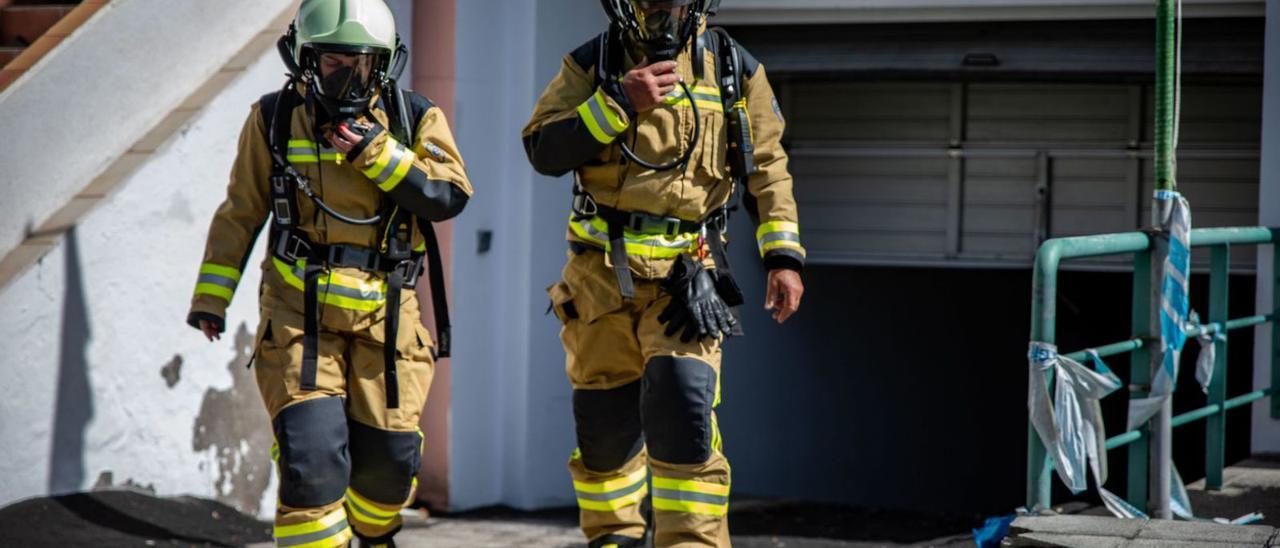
695,305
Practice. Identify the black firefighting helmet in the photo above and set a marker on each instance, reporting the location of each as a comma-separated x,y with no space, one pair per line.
650,28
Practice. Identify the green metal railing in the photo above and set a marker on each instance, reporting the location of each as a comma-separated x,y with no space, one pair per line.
1043,323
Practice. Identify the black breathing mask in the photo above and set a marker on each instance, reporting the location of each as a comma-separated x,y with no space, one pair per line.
344,90
660,34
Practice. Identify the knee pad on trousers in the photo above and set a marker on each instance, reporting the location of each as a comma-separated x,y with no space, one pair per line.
675,405
608,424
383,462
314,464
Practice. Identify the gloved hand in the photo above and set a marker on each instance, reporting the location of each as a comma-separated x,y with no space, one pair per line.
695,305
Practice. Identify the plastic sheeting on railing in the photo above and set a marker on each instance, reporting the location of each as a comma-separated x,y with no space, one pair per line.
1070,423
1172,214
1208,350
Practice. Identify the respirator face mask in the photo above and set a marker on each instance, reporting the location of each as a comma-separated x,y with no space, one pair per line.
344,82
660,32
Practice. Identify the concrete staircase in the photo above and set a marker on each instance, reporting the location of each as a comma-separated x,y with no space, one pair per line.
30,28
162,61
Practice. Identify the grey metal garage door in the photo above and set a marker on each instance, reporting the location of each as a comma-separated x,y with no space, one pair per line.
978,174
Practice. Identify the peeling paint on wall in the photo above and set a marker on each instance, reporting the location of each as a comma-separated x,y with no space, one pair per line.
234,424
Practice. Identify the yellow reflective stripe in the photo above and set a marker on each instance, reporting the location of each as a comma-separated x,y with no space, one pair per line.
369,506
691,486
275,452
339,540
776,226
778,235
219,270
309,152
654,246
584,113
615,123
690,507
781,244
613,484
215,290
304,528
708,98
340,283
383,158
603,123
690,496
614,504
364,511
421,247
717,443
402,169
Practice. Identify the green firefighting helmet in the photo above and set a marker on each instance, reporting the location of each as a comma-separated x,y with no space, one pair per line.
344,50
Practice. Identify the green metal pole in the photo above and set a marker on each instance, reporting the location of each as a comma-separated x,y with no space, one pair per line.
1161,428
1044,291
1166,93
1215,439
1140,375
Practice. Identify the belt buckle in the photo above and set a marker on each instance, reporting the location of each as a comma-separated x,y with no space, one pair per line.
293,247
672,226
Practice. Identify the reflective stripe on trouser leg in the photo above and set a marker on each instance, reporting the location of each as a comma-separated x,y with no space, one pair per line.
372,520
609,502
690,474
324,527
691,502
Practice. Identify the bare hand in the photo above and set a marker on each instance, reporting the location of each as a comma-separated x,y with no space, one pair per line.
648,85
783,293
343,138
210,330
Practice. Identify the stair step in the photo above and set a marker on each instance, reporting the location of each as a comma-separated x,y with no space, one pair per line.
21,25
8,54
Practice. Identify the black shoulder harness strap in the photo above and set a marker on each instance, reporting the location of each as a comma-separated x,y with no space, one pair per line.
395,258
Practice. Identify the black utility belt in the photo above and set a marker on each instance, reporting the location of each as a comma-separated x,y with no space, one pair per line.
293,247
646,223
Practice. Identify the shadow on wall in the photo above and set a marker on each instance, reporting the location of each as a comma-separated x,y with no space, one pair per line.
234,424
74,404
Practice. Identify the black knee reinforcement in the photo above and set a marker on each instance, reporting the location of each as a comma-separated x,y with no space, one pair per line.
314,464
608,423
676,408
383,462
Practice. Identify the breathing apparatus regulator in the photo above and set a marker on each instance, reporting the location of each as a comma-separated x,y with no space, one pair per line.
344,53
650,29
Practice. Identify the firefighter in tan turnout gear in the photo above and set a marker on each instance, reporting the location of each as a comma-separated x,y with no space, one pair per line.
347,172
659,119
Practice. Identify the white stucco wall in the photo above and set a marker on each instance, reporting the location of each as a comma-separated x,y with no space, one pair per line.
1266,430
86,332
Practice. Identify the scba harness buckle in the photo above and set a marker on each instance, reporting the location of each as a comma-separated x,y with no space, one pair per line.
359,257
644,223
292,247
409,271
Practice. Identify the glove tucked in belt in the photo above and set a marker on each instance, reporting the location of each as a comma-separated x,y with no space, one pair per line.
695,307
